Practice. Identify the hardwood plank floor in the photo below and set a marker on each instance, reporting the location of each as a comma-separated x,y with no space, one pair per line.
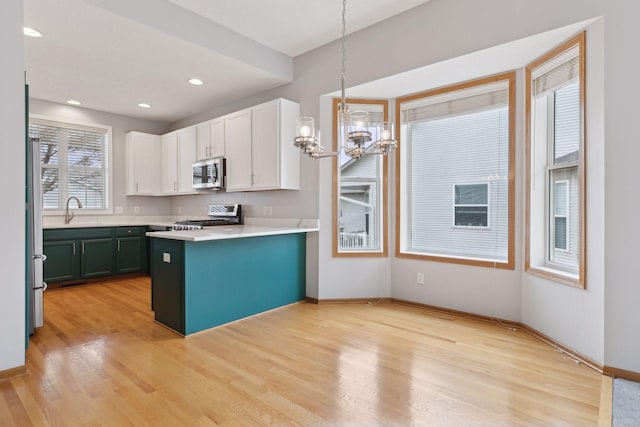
100,360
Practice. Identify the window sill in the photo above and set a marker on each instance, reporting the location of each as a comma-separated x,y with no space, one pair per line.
563,277
478,262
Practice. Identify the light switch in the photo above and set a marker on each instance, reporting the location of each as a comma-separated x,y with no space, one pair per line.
166,257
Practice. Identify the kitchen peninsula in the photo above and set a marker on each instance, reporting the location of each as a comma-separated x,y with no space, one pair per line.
205,278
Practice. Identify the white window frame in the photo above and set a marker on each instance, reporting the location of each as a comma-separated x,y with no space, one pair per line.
63,169
403,182
539,240
463,205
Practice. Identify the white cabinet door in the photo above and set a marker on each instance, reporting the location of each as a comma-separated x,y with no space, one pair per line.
216,148
170,163
237,131
203,136
142,164
265,146
186,156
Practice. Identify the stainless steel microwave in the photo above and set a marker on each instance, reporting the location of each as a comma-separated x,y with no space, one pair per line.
209,173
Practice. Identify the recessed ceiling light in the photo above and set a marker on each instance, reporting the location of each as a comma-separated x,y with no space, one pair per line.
74,102
144,105
31,32
196,82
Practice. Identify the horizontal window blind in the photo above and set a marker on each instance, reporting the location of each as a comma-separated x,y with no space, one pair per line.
73,163
557,76
458,154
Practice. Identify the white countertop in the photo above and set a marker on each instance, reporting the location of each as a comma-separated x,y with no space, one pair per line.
109,221
237,231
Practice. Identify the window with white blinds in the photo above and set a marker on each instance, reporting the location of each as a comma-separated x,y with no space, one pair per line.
555,239
456,173
359,198
74,162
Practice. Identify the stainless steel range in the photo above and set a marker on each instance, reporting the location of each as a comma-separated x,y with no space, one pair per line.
218,215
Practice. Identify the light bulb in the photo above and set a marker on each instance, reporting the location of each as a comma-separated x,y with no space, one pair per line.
386,135
305,131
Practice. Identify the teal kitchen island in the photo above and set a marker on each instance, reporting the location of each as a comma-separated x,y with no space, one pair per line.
204,278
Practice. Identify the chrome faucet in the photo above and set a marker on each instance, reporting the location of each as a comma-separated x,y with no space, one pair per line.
68,216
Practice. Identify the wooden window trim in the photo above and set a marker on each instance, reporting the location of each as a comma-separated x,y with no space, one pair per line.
384,252
510,264
548,273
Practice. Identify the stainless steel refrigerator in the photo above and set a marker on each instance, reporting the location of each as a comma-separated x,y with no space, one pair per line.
35,257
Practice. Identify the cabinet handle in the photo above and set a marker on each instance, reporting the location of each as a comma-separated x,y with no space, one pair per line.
136,187
74,248
118,245
82,248
206,151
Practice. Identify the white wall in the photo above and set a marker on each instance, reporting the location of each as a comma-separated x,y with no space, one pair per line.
622,198
12,173
120,126
572,316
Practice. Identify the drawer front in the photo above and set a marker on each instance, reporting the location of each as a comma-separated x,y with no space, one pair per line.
130,231
77,233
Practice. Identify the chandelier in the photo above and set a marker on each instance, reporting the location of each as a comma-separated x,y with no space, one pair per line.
354,127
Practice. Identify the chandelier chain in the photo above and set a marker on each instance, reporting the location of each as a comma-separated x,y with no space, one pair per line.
344,50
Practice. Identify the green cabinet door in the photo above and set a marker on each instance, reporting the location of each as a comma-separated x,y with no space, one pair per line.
62,261
96,257
129,254
167,283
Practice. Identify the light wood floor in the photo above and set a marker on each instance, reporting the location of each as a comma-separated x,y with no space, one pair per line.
101,361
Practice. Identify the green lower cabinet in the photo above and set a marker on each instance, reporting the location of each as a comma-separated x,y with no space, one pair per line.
62,261
130,252
82,253
97,258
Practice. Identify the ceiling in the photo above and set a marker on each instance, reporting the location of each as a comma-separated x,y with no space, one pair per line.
113,54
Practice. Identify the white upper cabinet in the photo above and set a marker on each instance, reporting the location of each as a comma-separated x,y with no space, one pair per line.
169,163
210,139
178,155
259,147
237,133
142,159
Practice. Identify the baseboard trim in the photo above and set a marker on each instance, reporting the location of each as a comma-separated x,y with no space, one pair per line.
613,372
13,372
348,300
622,373
458,313
563,348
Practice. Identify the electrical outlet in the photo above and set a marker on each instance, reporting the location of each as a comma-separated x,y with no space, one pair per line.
119,210
179,210
269,210
420,278
136,210
265,211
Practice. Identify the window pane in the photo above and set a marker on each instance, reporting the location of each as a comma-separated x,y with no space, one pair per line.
564,220
471,216
471,194
359,199
50,187
561,232
567,123
73,164
444,152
